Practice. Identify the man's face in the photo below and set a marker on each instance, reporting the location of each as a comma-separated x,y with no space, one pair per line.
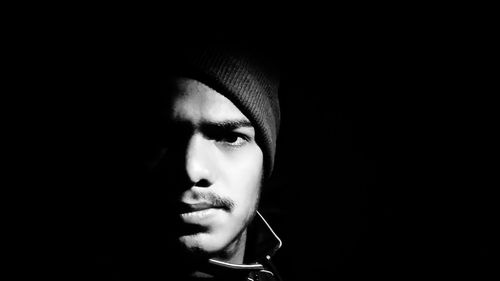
213,164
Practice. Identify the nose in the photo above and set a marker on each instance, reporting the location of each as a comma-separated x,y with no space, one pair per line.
199,163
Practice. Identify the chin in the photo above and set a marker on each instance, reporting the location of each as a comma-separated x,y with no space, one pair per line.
202,243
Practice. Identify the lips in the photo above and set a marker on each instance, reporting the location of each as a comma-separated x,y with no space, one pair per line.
193,207
197,212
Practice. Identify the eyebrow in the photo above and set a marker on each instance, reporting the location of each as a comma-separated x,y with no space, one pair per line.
228,125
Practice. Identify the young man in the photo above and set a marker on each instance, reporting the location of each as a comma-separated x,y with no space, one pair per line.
216,128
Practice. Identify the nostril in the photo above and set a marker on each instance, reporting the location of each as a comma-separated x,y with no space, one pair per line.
203,183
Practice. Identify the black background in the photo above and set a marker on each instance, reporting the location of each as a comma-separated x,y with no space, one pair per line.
381,157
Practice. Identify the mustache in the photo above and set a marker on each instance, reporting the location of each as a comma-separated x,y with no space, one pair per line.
215,200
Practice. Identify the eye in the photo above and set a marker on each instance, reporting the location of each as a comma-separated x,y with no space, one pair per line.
232,139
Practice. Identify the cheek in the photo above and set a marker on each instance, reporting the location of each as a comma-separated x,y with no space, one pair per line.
247,192
244,176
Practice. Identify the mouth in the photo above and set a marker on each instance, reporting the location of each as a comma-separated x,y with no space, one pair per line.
198,212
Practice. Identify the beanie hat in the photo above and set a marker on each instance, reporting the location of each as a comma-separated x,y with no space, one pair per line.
249,81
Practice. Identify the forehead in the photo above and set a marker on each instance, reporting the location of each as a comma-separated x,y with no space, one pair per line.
194,101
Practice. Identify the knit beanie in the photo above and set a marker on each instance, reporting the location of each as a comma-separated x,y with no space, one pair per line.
248,80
